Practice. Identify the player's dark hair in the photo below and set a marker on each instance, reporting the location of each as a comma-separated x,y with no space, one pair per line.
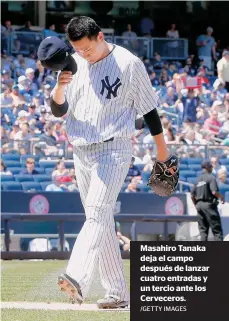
80,27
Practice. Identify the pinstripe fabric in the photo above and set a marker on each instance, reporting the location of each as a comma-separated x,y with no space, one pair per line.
92,117
100,170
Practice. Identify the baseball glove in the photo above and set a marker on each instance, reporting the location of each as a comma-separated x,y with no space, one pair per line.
164,176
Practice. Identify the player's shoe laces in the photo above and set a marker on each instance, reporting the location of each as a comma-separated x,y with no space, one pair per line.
111,303
71,287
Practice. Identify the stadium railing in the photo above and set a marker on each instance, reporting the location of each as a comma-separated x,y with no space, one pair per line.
23,42
61,218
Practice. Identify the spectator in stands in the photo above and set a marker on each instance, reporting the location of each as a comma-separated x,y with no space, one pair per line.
60,169
129,33
20,70
220,90
170,98
222,177
149,166
212,123
148,155
223,69
49,135
173,45
190,138
16,96
132,186
30,165
157,61
24,133
171,69
6,98
133,171
190,104
170,137
207,47
164,77
29,73
5,32
4,170
6,80
154,79
14,131
146,25
216,166
205,69
56,186
27,26
50,31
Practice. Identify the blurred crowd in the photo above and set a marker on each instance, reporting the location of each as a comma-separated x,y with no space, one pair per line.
194,111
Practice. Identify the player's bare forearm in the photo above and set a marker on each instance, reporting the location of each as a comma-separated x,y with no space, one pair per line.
58,95
162,152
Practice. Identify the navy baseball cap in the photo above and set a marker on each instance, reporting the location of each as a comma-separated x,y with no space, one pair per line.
206,164
55,54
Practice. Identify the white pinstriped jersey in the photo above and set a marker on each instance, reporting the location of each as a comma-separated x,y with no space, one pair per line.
104,98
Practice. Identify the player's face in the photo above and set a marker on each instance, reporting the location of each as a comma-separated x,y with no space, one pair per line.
90,49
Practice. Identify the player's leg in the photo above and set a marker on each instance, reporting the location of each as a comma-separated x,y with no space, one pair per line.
215,222
203,223
107,177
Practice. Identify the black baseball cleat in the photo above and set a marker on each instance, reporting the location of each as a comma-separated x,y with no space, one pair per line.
111,303
71,287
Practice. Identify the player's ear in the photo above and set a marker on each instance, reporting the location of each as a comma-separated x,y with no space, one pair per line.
100,37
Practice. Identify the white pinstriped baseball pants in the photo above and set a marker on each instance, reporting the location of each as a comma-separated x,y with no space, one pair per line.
100,172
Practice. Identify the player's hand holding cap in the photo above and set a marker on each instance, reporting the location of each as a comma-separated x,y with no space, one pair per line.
55,54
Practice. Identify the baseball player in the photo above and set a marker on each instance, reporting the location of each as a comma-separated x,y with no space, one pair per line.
101,89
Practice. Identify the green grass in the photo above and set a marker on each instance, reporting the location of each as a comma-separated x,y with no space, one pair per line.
34,315
36,281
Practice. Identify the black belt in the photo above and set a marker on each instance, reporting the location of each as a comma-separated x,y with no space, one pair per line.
109,140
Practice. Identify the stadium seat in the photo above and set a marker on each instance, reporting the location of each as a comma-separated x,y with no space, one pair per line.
40,170
12,157
183,167
185,188
14,170
31,185
144,188
23,178
145,176
182,178
44,185
48,164
223,188
7,178
12,186
183,161
227,197
188,173
24,158
124,187
12,163
49,171
191,180
41,178
194,160
224,161
194,167
69,164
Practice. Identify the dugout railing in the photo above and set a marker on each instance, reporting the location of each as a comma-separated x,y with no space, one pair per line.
61,218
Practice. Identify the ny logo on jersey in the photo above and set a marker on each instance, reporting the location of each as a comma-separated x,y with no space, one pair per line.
111,88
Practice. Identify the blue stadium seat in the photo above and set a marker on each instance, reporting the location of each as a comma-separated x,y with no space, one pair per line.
191,180
12,163
12,157
31,185
185,188
12,186
182,178
145,176
48,164
183,167
44,185
227,197
183,161
14,170
144,188
23,178
223,188
188,173
69,164
40,170
49,171
7,178
194,167
194,160
224,161
124,187
41,178
24,157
